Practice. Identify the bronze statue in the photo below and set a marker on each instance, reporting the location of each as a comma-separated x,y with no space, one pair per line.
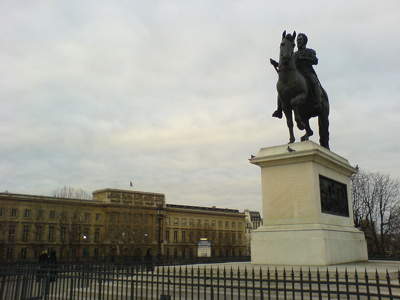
299,89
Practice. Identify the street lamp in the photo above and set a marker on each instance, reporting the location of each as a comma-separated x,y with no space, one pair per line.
160,217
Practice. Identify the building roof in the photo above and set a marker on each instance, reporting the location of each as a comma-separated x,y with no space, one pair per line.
211,209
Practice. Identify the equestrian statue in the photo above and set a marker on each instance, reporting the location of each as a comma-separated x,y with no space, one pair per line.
299,89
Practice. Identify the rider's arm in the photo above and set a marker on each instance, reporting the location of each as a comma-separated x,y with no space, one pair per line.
312,57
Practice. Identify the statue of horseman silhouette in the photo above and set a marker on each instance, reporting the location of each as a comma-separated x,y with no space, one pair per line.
299,89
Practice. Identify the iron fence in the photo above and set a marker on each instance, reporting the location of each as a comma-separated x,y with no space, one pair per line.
23,281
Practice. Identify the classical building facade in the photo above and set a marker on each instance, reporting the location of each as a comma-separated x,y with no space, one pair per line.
186,225
116,223
253,221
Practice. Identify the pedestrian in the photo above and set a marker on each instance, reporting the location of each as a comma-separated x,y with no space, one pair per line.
148,261
43,264
53,265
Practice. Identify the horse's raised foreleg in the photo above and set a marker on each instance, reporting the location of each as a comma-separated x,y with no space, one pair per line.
289,122
295,102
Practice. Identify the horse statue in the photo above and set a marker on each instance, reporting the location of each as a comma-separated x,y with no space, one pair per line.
294,94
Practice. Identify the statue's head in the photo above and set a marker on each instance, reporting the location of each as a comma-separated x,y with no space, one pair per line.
302,39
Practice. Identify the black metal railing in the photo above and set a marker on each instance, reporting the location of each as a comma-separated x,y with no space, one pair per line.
23,281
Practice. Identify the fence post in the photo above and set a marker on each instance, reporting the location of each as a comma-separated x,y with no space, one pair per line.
366,281
337,283
356,281
346,276
378,286
328,285
100,274
388,283
71,292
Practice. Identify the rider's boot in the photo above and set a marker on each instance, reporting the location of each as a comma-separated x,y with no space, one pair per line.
278,114
317,98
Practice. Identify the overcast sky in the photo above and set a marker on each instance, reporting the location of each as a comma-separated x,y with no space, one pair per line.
176,95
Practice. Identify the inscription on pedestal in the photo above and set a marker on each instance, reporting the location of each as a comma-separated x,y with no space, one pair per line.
333,197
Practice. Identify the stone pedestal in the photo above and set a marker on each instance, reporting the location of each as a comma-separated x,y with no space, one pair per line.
308,218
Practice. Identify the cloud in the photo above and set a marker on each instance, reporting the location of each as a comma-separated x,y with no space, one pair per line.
176,95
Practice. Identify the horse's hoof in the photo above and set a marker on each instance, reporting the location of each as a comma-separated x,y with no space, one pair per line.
304,138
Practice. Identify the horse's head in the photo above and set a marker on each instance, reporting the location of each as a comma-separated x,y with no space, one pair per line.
287,47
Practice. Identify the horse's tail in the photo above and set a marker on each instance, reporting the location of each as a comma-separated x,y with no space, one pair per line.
323,121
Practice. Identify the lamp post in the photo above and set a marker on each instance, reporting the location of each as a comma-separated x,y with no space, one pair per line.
160,217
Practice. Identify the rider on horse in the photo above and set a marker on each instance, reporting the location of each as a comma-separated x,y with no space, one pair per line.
304,58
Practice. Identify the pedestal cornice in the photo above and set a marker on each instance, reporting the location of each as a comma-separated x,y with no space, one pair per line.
299,153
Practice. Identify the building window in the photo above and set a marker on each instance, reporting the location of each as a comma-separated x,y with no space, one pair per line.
167,220
227,241
27,213
87,217
240,225
191,222
96,252
191,237
111,233
40,214
183,222
13,213
183,236
167,238
220,224
9,253
63,216
239,237
86,232
11,233
22,254
206,223
233,225
125,217
226,224
52,215
97,235
51,234
25,233
176,221
213,223
199,223
175,236
63,234
98,217
39,233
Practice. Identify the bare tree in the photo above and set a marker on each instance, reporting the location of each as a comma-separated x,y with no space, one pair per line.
375,207
73,193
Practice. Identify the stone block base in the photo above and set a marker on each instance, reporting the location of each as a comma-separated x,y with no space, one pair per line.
307,244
